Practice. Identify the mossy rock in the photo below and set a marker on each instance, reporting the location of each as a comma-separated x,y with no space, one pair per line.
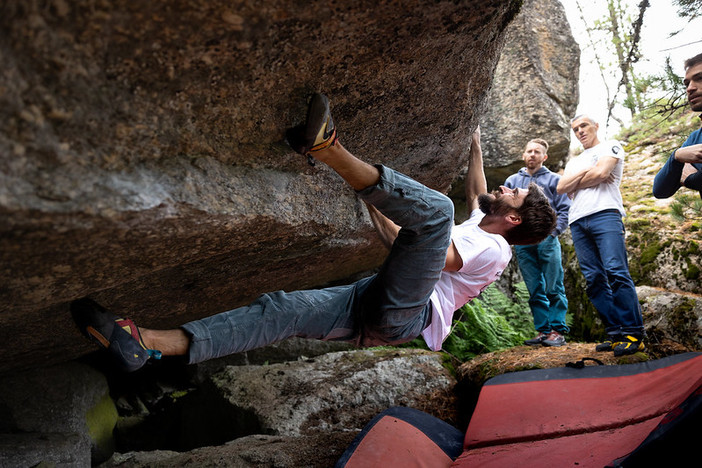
101,420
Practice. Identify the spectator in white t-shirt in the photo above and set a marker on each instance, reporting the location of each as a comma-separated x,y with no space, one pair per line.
592,181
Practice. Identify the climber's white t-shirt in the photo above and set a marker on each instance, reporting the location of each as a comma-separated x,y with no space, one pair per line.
484,257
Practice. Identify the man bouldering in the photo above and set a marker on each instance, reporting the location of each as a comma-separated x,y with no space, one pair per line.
432,269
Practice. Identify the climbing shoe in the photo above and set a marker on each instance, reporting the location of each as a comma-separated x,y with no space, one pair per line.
317,133
606,345
120,337
554,339
628,345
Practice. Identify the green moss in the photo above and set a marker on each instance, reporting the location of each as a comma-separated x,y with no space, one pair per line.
693,248
679,319
649,253
636,224
650,127
635,358
448,363
684,308
645,208
101,420
645,261
692,272
488,370
179,394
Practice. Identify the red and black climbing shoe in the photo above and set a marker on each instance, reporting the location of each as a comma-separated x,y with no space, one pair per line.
628,345
317,133
120,337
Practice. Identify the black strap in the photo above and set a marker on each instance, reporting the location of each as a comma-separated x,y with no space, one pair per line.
581,363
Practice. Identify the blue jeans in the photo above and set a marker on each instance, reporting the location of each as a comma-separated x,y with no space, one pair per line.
390,307
542,271
599,244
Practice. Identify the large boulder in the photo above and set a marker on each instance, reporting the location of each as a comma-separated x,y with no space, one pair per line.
60,415
673,319
302,412
142,159
535,91
335,392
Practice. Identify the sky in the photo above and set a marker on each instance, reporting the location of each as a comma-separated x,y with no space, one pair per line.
660,20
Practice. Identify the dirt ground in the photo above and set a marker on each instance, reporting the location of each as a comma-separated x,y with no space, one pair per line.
538,357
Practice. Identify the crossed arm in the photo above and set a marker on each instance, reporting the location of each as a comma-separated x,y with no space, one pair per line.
689,154
681,169
600,172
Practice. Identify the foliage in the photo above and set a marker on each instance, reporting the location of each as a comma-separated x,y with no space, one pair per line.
653,126
686,206
689,8
515,310
664,92
489,323
617,35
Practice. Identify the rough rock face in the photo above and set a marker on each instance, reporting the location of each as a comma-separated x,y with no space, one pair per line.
142,159
304,397
320,450
55,414
670,263
535,91
303,412
673,319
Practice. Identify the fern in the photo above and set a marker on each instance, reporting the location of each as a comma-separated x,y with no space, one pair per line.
515,309
489,323
478,330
